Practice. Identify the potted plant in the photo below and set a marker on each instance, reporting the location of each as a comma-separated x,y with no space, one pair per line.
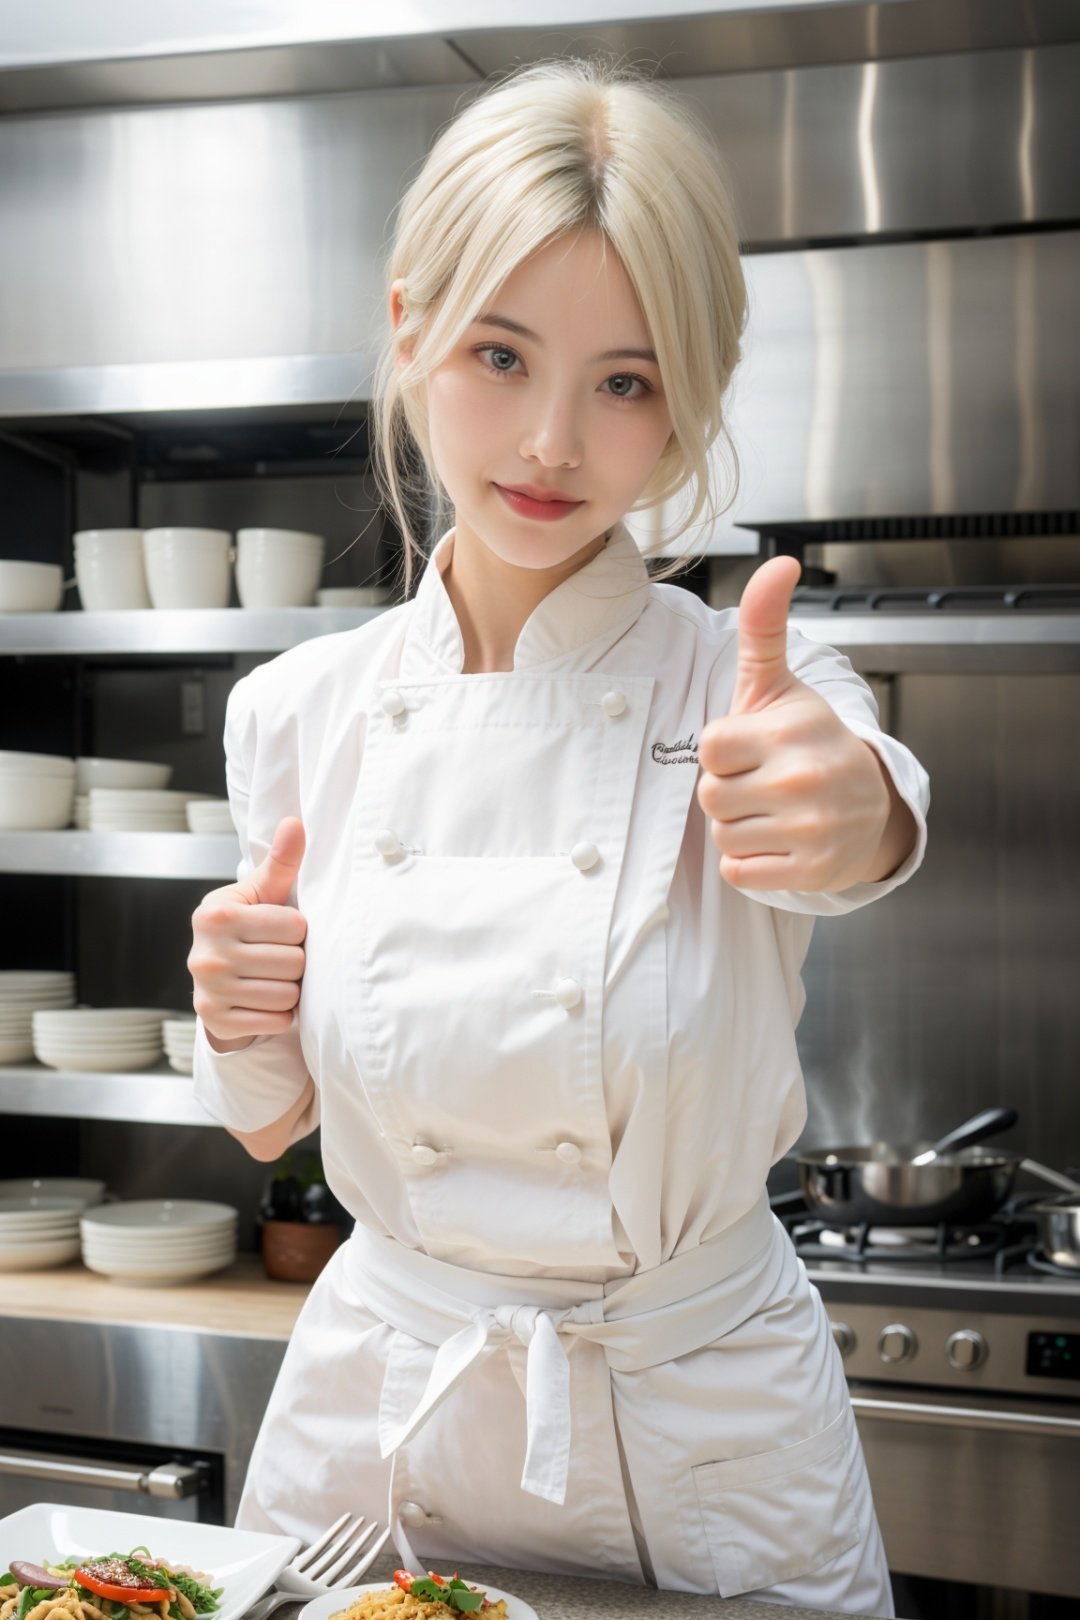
301,1221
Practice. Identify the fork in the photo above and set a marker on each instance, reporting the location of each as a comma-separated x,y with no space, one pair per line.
336,1561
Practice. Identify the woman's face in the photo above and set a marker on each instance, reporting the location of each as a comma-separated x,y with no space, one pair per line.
562,405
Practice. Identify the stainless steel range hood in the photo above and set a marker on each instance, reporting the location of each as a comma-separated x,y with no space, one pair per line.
909,224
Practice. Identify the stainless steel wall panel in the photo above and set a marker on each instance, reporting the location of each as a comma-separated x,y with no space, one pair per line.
959,991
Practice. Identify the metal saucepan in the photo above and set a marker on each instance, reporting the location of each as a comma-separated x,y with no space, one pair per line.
1059,1229
878,1183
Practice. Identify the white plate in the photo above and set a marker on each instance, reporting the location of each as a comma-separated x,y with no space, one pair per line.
321,1608
39,1257
245,1562
150,1214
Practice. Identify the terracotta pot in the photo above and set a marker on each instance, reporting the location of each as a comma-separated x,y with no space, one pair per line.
296,1251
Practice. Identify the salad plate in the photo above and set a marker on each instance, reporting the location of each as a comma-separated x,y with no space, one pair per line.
244,1563
321,1608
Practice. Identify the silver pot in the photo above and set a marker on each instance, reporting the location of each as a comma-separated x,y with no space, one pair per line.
1059,1229
879,1184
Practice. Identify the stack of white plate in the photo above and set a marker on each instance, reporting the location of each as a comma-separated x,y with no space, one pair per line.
159,1240
37,1232
80,1187
92,772
96,1039
21,994
140,809
180,1044
209,816
37,791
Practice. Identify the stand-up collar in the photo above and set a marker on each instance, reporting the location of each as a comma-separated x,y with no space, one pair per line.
570,629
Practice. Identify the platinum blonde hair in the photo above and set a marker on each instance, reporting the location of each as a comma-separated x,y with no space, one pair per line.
555,147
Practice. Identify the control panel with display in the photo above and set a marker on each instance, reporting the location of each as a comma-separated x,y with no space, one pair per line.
1053,1355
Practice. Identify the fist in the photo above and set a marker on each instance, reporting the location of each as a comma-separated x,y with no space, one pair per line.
795,799
247,956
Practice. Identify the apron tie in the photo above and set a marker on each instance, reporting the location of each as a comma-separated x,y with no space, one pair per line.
547,1386
639,1321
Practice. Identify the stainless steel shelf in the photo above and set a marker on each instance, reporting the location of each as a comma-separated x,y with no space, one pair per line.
158,1096
122,854
192,631
935,642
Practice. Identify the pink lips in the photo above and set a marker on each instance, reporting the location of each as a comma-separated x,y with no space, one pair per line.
545,511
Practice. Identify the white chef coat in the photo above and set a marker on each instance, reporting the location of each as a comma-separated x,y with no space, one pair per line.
554,1052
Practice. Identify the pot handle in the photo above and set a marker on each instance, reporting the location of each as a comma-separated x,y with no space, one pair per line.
989,1123
1054,1177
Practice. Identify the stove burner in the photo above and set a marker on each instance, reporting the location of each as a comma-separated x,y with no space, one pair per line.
1030,1254
816,1240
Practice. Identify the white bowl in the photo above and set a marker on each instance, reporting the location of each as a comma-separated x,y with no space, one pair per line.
30,587
109,540
188,568
11,760
119,773
154,1214
109,570
279,537
35,803
269,576
353,595
41,1256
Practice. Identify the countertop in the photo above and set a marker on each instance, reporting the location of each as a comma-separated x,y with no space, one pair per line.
241,1300
570,1597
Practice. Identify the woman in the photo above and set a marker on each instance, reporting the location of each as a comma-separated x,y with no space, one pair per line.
548,1033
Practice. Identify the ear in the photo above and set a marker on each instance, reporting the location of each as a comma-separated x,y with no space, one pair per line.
397,314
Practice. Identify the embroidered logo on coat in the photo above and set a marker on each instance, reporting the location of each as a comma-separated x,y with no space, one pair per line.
683,752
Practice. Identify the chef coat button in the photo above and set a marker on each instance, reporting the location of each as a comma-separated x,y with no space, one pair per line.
584,856
568,993
393,703
568,1152
412,1513
613,703
423,1154
387,842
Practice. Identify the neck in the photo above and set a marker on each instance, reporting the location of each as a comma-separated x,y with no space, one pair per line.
493,599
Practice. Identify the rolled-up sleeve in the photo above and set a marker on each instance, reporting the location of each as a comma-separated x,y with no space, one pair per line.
830,673
248,1089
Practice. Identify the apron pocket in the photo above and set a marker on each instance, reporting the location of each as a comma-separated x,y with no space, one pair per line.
780,1514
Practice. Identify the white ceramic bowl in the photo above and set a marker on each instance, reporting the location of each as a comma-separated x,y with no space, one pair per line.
353,595
109,570
246,538
30,587
188,568
37,764
119,773
81,1187
35,803
277,572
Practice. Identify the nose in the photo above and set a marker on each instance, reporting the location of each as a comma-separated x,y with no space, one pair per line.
553,434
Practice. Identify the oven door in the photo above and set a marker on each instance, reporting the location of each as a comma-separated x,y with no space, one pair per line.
980,1488
167,1484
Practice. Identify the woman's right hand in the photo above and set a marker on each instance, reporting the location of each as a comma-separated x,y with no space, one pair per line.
247,957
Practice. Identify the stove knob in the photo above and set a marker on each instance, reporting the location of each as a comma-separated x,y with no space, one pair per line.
897,1343
843,1337
966,1350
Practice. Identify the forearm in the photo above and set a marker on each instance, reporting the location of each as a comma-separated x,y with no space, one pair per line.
901,832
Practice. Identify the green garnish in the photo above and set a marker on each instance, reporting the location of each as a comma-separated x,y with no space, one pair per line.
456,1594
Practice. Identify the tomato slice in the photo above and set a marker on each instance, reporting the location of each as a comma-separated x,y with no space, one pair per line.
404,1578
120,1594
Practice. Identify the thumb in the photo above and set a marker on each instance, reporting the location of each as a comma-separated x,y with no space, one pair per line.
275,875
762,674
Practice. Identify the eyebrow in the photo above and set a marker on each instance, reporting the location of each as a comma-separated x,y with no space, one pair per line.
523,331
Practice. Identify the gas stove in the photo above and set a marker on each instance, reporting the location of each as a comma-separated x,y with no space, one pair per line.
961,1347
977,1307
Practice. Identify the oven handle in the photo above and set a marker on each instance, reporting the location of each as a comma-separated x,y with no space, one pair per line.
966,1417
172,1481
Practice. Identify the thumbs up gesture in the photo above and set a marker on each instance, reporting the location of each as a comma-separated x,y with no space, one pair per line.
796,800
247,956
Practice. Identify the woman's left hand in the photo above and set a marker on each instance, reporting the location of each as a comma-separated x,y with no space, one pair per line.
797,801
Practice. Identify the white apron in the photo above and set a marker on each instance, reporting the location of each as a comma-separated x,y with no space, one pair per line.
683,1421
